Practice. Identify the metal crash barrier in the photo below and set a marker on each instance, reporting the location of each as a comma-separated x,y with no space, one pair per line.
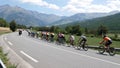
96,47
1,64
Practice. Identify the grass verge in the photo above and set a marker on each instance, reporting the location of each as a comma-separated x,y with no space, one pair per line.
6,60
4,32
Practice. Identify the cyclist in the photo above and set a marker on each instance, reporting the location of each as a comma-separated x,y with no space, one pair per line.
63,38
107,41
37,34
59,37
47,36
83,40
52,37
20,32
72,38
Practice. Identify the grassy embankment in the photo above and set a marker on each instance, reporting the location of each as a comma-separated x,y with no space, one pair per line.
5,60
4,30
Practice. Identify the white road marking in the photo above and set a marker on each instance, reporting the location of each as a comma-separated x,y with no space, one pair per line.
5,38
10,43
85,55
28,56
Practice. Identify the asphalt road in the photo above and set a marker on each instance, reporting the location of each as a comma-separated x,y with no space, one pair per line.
41,54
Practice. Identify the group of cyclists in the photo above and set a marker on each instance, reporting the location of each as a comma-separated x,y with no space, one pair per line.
49,36
60,39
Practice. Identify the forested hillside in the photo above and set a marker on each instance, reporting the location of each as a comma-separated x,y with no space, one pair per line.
112,22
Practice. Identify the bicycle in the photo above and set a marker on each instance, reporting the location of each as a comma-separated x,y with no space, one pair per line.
82,46
60,41
110,50
20,33
71,43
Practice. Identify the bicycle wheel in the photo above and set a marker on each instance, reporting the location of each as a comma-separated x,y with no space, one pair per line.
86,47
112,51
101,49
57,42
81,45
78,47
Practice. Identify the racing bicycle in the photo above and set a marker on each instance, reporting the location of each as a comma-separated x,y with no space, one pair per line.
82,46
110,50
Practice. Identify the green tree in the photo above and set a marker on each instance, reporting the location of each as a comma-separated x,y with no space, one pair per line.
68,29
52,29
57,29
102,30
86,30
13,26
3,23
116,35
21,26
76,30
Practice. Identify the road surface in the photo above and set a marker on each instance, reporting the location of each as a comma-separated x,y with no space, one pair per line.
41,54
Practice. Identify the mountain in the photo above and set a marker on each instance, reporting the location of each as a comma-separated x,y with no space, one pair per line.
112,22
26,17
33,18
82,17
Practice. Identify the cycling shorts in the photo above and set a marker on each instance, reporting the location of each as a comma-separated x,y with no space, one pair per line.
108,43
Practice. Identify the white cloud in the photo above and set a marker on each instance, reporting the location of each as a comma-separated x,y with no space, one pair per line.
81,3
98,8
41,3
114,4
73,9
79,6
82,6
76,6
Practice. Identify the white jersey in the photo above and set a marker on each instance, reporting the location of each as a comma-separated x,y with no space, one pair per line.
72,37
83,37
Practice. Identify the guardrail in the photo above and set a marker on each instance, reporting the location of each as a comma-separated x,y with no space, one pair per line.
96,47
1,64
117,49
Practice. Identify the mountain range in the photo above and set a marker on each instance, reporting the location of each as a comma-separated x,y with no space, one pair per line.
26,17
111,22
82,17
33,18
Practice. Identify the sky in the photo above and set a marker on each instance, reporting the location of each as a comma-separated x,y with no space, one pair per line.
65,7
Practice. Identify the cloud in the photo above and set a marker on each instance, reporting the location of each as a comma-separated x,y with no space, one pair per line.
41,3
83,6
76,6
114,4
79,6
